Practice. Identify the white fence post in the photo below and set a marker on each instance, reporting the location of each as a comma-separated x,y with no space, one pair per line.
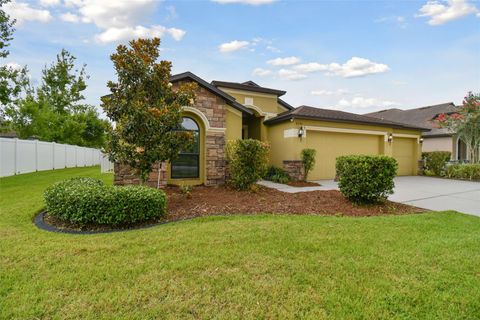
15,157
36,155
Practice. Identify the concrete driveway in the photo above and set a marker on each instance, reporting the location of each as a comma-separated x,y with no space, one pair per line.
438,194
433,193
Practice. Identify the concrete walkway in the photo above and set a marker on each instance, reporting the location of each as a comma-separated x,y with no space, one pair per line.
423,192
289,189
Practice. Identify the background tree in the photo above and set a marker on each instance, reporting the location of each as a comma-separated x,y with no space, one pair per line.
55,110
465,123
12,80
145,108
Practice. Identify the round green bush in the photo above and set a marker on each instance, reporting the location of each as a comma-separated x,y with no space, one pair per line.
247,162
89,201
366,179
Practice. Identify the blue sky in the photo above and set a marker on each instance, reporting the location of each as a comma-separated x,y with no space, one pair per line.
356,56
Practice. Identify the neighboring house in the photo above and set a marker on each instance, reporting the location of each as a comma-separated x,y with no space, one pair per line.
226,111
437,139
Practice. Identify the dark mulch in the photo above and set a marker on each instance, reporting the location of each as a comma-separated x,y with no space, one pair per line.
303,184
222,200
205,201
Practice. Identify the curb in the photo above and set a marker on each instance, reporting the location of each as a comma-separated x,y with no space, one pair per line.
41,224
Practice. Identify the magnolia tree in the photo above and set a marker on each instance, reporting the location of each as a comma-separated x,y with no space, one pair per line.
145,109
465,123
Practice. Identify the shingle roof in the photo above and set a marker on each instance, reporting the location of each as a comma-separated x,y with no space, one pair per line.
306,112
248,86
284,104
228,98
418,117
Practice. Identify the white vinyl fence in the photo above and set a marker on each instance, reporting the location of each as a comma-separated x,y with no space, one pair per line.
23,156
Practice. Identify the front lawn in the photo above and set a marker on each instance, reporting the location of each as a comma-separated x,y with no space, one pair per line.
409,266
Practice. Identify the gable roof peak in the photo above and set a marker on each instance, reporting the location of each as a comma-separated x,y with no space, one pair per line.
250,83
228,98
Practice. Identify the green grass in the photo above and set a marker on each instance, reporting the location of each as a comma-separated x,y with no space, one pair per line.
416,266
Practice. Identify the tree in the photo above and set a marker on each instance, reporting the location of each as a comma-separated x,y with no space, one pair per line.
6,30
55,110
13,80
145,108
465,123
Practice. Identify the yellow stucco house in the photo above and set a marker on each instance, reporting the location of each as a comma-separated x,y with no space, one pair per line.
227,111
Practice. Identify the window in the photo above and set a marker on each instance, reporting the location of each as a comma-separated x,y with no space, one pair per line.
187,165
248,101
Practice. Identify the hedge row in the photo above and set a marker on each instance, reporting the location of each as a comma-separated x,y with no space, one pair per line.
467,171
89,201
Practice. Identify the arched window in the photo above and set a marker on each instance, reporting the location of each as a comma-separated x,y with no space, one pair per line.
187,165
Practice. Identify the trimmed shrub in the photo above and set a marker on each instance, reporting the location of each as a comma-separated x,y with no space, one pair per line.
467,171
88,201
308,160
248,160
276,174
366,179
435,162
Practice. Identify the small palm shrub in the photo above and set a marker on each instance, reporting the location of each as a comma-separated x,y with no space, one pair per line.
89,201
366,179
435,162
248,161
276,174
308,161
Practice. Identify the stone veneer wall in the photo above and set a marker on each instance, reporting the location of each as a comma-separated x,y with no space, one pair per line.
213,107
125,175
294,168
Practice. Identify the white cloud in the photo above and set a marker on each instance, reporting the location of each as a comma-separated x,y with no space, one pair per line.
261,72
119,19
70,17
13,65
251,2
232,46
356,67
284,61
310,67
443,12
49,3
128,33
23,12
337,92
272,49
363,103
289,74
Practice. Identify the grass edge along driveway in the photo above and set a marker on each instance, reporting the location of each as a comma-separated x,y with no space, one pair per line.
415,266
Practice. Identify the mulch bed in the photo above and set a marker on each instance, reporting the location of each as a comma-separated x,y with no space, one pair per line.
303,184
222,200
207,201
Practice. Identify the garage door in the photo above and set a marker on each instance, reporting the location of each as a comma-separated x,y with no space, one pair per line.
404,152
330,145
